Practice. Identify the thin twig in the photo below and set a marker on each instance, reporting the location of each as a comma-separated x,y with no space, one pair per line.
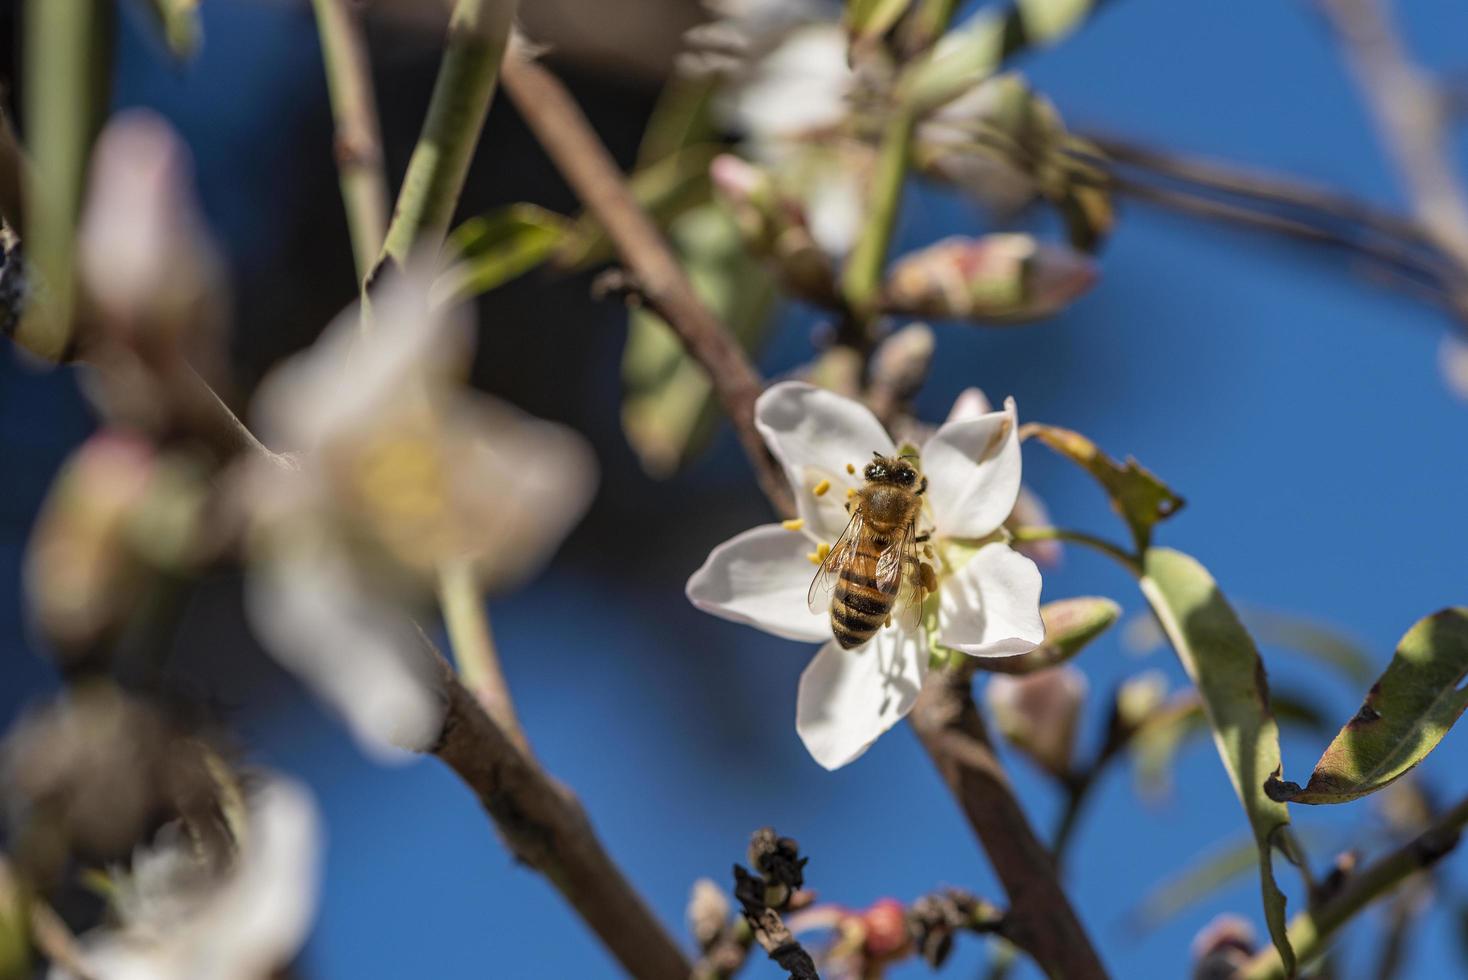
1312,930
1410,115
573,146
545,827
358,137
1041,920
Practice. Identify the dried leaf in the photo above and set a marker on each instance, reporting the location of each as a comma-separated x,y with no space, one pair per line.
1224,664
1136,494
1406,713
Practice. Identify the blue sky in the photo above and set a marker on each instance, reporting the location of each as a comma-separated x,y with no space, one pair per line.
1295,406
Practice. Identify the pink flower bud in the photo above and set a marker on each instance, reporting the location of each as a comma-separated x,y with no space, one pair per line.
1038,713
1222,948
885,927
80,567
146,261
997,278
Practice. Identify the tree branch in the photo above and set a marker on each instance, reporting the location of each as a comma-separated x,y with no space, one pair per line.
1312,930
358,136
545,827
584,162
1041,920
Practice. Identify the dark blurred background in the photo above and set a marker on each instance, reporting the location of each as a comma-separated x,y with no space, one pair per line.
1298,408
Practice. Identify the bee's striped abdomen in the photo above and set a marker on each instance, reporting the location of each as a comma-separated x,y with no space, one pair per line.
859,606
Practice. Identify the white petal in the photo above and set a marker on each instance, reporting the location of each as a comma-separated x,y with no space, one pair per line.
800,86
357,652
835,208
815,434
973,470
520,484
761,578
990,607
349,376
849,697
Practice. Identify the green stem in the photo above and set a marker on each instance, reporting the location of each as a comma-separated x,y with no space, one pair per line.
358,136
479,30
861,281
473,646
1127,560
67,68
1311,931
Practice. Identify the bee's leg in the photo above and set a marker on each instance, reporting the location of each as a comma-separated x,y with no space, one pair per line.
922,487
923,538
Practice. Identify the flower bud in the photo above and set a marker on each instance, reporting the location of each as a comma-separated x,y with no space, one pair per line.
1452,359
116,511
773,226
997,278
1222,948
1139,697
81,572
1038,713
900,363
147,264
884,928
708,912
93,774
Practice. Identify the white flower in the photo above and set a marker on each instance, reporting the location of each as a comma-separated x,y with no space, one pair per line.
988,602
180,920
401,471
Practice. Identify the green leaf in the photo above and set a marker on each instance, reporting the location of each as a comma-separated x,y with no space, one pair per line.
1406,713
1070,624
867,19
1136,494
1224,665
668,409
494,248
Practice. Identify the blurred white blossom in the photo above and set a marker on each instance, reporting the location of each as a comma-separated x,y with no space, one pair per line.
401,470
180,919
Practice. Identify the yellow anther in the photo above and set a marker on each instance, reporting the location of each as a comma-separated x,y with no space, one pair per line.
820,488
819,555
889,620
850,492
794,524
850,469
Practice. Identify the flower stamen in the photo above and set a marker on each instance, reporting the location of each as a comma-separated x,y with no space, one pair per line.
820,488
793,524
818,556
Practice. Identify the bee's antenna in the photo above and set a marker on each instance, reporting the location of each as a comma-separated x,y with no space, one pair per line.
876,454
908,456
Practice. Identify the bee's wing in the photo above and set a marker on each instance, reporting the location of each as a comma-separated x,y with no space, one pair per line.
818,598
899,564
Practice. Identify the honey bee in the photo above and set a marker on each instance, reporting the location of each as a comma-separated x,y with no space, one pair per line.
874,567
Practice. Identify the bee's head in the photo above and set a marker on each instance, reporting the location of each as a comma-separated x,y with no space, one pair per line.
896,471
